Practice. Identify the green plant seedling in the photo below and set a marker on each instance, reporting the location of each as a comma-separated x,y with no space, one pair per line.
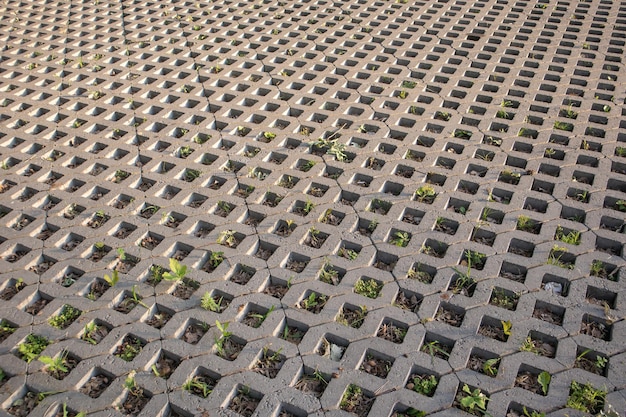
121,254
222,338
585,398
227,238
544,380
196,385
532,413
113,278
425,384
506,327
400,239
348,253
572,238
30,349
67,315
425,194
368,287
178,271
490,367
216,259
56,364
208,303
474,399
261,317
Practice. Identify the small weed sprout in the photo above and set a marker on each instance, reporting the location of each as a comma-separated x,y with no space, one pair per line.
57,364
178,271
207,302
113,278
474,399
368,288
30,349
400,239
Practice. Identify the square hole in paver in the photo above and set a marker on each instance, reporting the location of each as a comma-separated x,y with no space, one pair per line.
532,379
591,361
550,313
450,314
376,363
392,330
540,344
242,274
437,346
484,362
494,329
97,383
597,327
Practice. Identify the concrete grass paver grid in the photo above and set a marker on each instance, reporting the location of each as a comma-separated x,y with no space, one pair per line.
312,208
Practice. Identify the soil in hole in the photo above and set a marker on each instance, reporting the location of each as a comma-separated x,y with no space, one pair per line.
283,230
312,384
127,304
268,365
352,318
476,363
96,385
97,289
529,382
193,334
96,335
253,319
185,288
295,265
408,302
10,291
70,363
589,366
135,402
244,404
241,277
384,266
203,381
23,406
292,334
165,366
448,316
437,349
37,306
149,242
391,332
376,366
123,267
492,332
595,329
276,290
547,315
231,350
356,402
159,319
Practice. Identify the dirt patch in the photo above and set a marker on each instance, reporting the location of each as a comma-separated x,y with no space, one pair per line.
356,402
391,332
276,290
241,277
448,316
135,402
595,329
193,333
10,291
37,306
376,366
244,404
96,385
185,288
23,406
529,382
269,364
408,302
127,304
97,288
312,384
95,334
547,315
492,332
159,319
230,349
352,317
165,366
